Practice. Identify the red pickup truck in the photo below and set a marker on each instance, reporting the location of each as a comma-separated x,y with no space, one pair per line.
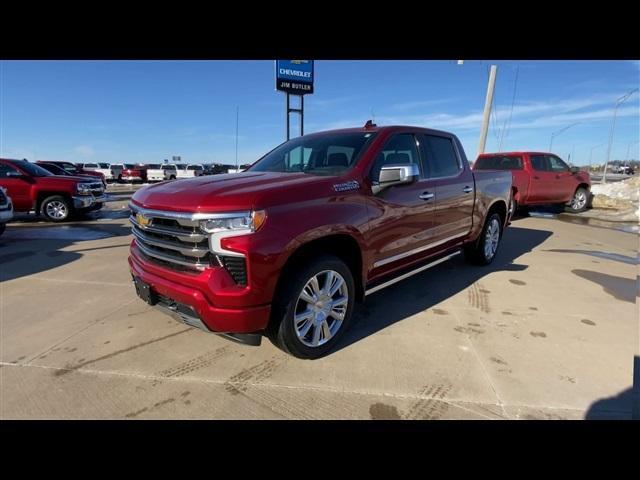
287,247
541,178
56,197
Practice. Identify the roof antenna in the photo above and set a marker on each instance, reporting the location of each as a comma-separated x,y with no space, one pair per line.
369,124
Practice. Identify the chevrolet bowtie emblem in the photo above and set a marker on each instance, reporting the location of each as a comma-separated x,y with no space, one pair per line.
142,220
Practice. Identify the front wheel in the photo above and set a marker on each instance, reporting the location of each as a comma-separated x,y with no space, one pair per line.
56,208
314,308
579,201
483,250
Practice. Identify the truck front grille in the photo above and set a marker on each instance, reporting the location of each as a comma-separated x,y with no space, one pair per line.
174,242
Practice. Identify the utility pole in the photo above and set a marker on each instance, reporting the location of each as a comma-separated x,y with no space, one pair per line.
237,117
487,109
619,102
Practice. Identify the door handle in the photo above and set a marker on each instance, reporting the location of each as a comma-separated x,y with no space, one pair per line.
427,196
467,189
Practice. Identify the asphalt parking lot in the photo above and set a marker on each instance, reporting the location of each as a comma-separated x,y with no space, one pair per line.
549,331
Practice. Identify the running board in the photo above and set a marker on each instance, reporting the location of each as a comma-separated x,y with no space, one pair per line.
410,273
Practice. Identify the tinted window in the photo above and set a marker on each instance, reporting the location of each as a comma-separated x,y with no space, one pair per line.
440,157
129,165
399,149
539,162
498,162
326,154
104,165
168,167
154,166
31,168
4,168
194,167
90,165
557,165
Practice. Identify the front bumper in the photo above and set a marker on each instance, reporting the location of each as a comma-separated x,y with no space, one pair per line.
202,313
6,213
87,201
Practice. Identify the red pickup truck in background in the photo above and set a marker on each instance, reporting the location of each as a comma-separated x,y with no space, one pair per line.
287,247
541,178
130,172
56,197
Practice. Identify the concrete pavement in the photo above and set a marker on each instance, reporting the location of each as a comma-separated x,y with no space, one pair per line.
548,331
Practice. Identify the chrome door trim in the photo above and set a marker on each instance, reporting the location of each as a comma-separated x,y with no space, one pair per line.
411,273
400,256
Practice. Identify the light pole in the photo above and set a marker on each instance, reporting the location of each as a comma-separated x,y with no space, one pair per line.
591,152
555,134
619,102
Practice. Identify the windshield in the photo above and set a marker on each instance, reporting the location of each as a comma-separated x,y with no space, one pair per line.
129,165
104,165
154,166
31,168
498,162
327,154
194,167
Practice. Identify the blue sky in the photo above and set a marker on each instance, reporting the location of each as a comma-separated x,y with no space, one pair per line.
146,111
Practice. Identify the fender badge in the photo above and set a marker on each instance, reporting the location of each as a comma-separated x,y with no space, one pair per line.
344,187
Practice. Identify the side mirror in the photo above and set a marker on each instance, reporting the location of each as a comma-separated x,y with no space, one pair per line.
399,174
574,169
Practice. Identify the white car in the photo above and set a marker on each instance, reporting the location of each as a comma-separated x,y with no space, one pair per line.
6,209
103,168
189,171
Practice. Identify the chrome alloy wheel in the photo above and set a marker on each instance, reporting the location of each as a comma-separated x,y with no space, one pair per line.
321,308
492,238
57,209
579,200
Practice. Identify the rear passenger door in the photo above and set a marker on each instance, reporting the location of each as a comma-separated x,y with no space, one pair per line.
454,188
543,187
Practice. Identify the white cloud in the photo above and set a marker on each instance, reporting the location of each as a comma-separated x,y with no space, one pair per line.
84,150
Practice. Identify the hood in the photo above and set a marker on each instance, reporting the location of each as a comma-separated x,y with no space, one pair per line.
229,192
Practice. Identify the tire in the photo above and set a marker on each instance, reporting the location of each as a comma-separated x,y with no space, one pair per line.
479,252
320,323
3,227
579,201
56,208
172,177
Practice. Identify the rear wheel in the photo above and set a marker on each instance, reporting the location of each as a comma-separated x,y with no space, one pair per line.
314,308
56,208
484,250
579,201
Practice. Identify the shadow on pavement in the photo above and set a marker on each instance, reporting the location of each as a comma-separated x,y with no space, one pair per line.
429,288
618,407
28,250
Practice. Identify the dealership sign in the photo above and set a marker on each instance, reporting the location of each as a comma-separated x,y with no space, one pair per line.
294,76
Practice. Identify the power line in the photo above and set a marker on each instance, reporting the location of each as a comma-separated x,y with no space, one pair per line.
513,100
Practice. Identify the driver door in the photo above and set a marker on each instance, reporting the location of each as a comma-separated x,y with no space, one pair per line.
17,185
401,225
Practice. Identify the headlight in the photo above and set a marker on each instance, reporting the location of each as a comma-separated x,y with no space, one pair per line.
84,189
250,222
